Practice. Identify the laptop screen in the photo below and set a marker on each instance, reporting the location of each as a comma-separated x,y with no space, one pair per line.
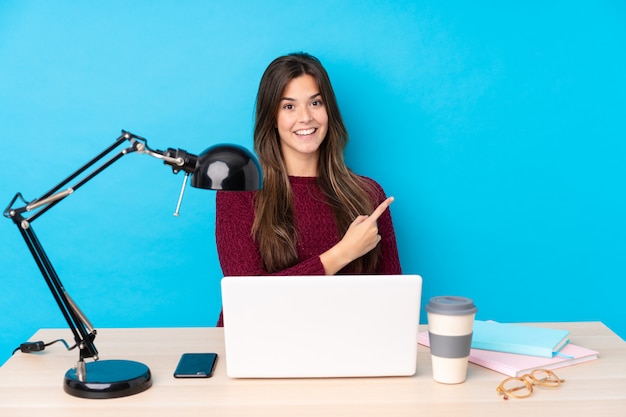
321,326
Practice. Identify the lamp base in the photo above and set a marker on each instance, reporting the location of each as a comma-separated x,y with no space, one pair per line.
108,379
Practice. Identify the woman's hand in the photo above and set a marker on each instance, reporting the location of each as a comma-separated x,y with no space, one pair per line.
360,238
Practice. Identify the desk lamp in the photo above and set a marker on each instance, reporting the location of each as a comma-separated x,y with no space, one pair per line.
220,167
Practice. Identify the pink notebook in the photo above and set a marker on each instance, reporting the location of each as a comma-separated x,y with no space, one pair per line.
512,364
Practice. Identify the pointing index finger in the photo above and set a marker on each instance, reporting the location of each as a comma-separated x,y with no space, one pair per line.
381,209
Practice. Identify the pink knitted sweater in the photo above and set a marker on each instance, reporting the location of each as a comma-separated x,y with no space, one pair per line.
238,252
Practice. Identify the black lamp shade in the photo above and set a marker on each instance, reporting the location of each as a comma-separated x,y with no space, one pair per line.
228,168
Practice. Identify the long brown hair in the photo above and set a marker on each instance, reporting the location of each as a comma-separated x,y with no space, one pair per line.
347,193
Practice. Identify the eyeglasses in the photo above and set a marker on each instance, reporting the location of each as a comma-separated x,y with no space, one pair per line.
522,387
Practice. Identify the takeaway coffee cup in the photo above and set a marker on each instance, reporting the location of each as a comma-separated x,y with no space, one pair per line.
450,323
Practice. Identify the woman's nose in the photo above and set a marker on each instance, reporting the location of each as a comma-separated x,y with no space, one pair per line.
304,115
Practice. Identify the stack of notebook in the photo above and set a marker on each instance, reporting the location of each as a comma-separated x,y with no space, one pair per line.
514,349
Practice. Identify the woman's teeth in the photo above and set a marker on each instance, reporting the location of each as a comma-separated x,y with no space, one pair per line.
305,132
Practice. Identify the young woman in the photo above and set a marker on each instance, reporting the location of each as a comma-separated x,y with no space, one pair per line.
313,216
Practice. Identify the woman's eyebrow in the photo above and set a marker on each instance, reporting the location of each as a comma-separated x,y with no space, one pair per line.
310,98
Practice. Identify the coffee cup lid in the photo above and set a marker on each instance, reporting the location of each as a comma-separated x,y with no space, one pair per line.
451,305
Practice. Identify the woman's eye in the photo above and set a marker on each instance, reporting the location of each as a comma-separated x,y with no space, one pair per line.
288,106
317,103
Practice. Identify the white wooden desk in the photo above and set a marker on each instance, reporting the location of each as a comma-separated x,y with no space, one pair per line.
31,384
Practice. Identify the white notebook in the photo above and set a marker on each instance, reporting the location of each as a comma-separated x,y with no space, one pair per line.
321,326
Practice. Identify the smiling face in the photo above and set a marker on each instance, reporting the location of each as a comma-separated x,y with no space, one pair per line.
302,123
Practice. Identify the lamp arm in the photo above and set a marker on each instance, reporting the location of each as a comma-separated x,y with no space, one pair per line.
174,162
53,196
83,332
23,216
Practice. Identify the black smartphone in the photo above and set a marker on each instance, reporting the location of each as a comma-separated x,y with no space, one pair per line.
196,365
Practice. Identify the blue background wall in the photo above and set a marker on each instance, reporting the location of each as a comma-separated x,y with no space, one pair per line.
499,128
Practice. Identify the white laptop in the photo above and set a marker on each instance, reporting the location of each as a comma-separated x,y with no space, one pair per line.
321,326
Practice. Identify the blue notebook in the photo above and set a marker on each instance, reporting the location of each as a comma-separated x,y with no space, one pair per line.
517,338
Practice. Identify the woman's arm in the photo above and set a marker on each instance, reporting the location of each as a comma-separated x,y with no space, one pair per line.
361,237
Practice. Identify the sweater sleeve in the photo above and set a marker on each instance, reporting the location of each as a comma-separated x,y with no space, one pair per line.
237,251
389,262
